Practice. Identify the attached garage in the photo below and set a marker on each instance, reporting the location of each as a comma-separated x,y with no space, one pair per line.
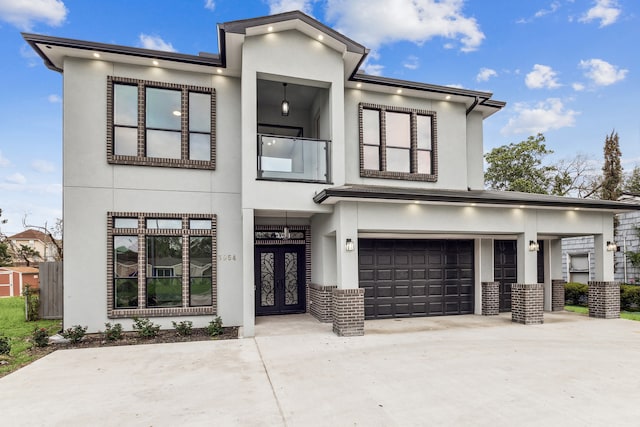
416,278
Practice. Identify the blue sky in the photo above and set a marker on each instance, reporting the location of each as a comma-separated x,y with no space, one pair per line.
567,68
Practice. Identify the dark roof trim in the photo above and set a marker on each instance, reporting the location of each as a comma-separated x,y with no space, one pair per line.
482,197
35,39
240,27
484,97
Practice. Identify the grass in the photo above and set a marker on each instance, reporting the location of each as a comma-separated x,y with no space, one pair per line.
19,331
629,315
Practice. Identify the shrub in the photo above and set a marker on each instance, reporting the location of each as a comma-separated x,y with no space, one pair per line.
32,302
630,297
75,333
112,332
183,328
5,345
145,327
40,337
576,294
215,327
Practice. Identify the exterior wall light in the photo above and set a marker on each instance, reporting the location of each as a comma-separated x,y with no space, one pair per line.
349,246
285,103
533,246
611,246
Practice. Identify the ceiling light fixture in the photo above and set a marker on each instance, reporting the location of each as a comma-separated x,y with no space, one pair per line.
284,108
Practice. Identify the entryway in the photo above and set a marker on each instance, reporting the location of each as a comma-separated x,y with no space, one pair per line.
280,279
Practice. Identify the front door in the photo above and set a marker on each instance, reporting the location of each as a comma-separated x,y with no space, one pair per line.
280,279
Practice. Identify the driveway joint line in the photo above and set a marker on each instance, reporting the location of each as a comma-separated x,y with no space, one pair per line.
273,390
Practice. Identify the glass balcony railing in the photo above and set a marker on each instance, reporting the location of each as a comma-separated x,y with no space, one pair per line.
293,159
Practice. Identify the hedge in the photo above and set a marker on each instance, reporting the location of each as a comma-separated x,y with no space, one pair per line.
578,294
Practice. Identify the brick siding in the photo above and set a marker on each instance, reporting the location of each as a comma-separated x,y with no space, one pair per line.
319,299
490,298
348,312
527,303
557,295
604,300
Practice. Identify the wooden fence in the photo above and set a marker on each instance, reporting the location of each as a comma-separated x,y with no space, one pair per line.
51,290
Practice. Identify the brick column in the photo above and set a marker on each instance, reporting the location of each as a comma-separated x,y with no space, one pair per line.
557,295
604,300
527,303
348,312
319,301
490,298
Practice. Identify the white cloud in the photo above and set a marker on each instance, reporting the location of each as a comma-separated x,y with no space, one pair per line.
373,69
542,76
377,22
16,178
210,4
553,7
155,42
29,54
280,6
601,72
578,87
485,74
3,160
42,166
25,13
54,99
607,11
412,62
546,115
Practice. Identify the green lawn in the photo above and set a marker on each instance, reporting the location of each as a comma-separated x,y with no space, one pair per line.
629,315
13,325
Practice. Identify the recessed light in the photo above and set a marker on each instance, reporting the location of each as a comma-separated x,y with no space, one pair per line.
448,97
270,29
521,206
219,70
576,209
96,55
359,85
474,204
156,63
176,113
320,37
399,91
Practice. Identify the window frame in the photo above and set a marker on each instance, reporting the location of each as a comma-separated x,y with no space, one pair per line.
141,158
413,150
141,233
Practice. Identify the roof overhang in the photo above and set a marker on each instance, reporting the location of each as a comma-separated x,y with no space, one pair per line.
467,198
54,50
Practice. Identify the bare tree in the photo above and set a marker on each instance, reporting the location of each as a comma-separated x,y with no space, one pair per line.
575,177
50,233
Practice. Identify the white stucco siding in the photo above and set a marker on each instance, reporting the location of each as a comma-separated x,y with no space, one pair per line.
475,154
451,139
294,57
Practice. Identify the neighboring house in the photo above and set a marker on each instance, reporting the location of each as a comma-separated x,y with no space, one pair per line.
275,178
14,279
36,240
579,256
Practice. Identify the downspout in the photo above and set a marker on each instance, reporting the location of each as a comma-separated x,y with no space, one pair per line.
475,102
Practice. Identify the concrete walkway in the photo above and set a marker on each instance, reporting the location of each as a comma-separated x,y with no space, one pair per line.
450,371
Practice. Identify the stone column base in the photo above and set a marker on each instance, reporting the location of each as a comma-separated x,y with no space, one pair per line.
604,300
557,295
319,301
527,303
348,312
490,298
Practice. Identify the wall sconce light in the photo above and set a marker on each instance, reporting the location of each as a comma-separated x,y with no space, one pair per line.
285,104
611,246
533,246
349,246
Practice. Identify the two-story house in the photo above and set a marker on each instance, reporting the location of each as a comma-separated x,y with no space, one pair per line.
275,178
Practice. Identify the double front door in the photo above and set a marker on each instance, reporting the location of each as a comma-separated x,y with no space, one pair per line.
280,279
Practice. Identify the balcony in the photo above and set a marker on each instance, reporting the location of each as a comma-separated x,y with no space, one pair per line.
282,158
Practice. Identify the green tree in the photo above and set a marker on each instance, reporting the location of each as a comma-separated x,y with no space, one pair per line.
28,254
5,255
612,169
519,167
632,183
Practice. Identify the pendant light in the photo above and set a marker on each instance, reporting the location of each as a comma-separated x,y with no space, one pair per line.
284,108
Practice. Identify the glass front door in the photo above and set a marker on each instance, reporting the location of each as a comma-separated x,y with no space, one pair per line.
280,279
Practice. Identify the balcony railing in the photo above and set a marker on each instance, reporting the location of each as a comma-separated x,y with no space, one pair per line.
293,159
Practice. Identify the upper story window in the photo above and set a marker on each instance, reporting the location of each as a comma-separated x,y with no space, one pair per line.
160,124
397,143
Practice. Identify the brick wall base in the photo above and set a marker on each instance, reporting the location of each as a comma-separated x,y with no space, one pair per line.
557,295
319,302
604,300
527,303
348,312
490,298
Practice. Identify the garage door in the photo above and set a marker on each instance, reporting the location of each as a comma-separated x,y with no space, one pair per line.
406,278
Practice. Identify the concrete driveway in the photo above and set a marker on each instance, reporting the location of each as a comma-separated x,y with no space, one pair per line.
450,371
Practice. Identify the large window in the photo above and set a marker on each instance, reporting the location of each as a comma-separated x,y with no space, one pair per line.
397,143
161,264
160,124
